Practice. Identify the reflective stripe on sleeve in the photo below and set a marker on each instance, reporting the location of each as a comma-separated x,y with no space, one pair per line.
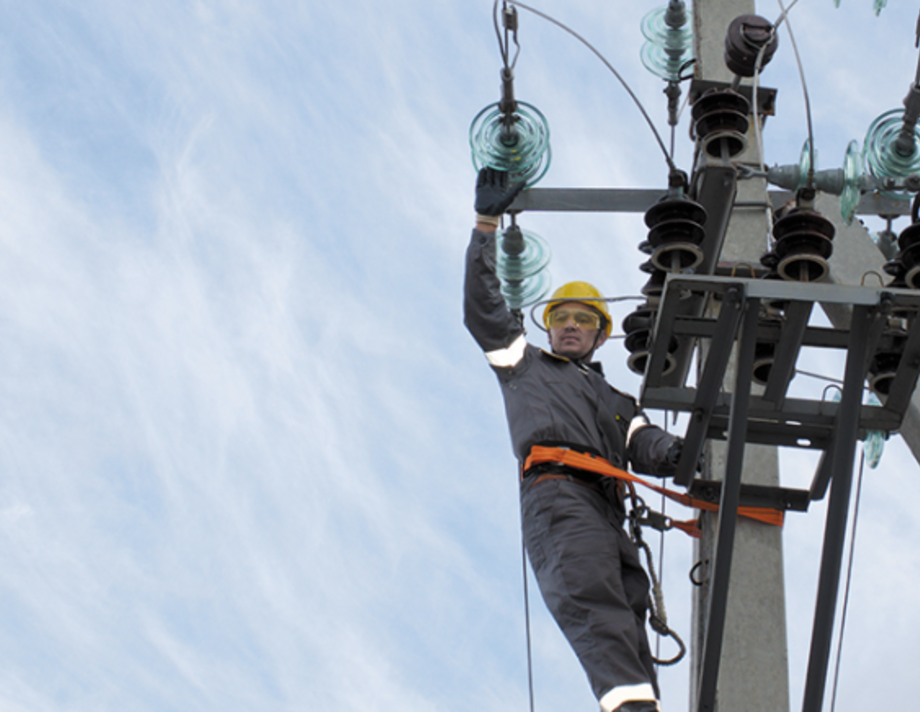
642,692
508,356
640,421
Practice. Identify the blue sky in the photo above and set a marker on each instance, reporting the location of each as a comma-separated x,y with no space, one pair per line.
251,459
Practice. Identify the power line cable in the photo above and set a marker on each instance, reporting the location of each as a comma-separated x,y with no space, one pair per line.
527,624
784,17
609,66
846,590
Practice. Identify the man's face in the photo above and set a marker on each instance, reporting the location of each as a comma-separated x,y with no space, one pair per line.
571,339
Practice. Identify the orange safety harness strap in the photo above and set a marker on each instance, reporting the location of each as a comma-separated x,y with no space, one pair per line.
598,465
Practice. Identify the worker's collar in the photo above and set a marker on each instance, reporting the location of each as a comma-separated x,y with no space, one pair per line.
593,365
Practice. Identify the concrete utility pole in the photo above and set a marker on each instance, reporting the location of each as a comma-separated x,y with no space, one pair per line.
753,673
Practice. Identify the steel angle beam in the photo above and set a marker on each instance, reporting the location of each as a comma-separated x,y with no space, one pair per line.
798,415
710,382
825,469
879,204
638,200
672,306
786,352
905,380
728,510
779,290
765,432
714,188
823,474
782,498
838,506
869,203
590,200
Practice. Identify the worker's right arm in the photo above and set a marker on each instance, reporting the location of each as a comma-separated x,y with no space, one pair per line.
485,312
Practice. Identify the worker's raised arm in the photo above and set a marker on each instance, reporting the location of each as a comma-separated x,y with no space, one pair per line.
485,311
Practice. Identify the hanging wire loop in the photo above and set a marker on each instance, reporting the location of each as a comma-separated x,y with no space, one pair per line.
609,66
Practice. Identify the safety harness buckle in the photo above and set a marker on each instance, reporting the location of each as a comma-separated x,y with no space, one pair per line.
655,520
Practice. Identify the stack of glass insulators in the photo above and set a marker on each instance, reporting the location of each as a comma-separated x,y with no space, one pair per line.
517,143
886,156
522,259
669,43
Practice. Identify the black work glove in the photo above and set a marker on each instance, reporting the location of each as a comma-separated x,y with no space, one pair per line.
494,193
675,451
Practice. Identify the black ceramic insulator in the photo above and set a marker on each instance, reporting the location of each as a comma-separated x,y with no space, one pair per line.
676,231
746,36
721,114
803,243
654,287
909,236
638,328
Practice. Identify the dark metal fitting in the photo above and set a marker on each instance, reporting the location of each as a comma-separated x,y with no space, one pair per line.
508,104
805,197
658,625
697,568
656,520
678,179
676,15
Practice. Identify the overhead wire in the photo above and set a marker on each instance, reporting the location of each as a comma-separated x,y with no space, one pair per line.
527,625
545,302
849,577
784,18
663,509
609,66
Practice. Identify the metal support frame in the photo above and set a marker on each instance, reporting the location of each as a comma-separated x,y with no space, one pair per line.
838,507
774,417
728,511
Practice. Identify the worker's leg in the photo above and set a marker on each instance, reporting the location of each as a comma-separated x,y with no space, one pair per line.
593,583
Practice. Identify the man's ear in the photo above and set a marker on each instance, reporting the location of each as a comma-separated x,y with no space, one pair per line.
601,338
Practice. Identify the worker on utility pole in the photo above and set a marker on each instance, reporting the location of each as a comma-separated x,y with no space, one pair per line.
559,406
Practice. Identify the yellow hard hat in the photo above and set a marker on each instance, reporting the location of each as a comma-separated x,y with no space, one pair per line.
579,292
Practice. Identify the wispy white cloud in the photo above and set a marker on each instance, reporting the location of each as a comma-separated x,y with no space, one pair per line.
251,458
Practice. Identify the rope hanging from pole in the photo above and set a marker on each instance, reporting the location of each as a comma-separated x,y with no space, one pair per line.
527,624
